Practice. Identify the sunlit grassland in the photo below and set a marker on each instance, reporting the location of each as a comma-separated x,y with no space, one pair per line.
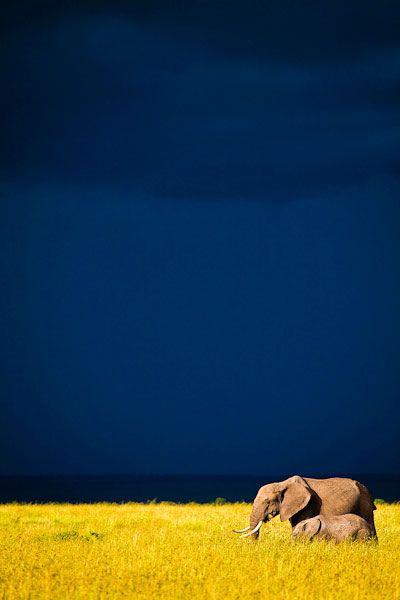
168,551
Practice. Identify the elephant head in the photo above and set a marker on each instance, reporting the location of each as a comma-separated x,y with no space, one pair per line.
308,529
285,498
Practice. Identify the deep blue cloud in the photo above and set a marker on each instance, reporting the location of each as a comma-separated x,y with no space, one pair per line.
139,102
199,337
200,250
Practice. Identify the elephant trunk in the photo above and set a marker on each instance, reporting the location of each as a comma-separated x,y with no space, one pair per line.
257,515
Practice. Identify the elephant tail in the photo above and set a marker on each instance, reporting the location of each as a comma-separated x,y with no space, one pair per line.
366,499
366,507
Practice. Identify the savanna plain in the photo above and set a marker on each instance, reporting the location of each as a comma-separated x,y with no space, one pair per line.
170,551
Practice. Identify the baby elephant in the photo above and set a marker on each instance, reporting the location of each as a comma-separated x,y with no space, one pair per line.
340,528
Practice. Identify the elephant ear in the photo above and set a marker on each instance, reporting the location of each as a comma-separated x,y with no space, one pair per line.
312,527
295,497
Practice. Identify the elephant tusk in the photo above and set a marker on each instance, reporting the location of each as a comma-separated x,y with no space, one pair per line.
241,530
256,528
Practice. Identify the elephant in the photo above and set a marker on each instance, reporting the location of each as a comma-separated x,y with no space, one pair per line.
339,528
299,498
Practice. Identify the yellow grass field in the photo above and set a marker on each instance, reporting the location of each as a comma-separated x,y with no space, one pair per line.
168,551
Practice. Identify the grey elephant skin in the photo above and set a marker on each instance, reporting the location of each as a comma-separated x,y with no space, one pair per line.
339,529
300,498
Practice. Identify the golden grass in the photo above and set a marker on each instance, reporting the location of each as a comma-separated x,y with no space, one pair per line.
168,551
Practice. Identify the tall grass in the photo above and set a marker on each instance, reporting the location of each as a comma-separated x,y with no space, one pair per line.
168,551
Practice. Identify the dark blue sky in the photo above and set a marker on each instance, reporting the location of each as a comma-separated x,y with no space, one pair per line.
200,238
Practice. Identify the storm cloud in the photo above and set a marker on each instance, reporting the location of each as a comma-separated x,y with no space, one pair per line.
205,102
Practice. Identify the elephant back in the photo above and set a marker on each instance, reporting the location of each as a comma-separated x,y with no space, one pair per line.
338,495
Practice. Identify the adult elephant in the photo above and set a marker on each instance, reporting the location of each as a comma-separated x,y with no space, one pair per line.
299,498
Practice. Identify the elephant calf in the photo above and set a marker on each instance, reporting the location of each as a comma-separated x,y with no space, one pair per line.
338,528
